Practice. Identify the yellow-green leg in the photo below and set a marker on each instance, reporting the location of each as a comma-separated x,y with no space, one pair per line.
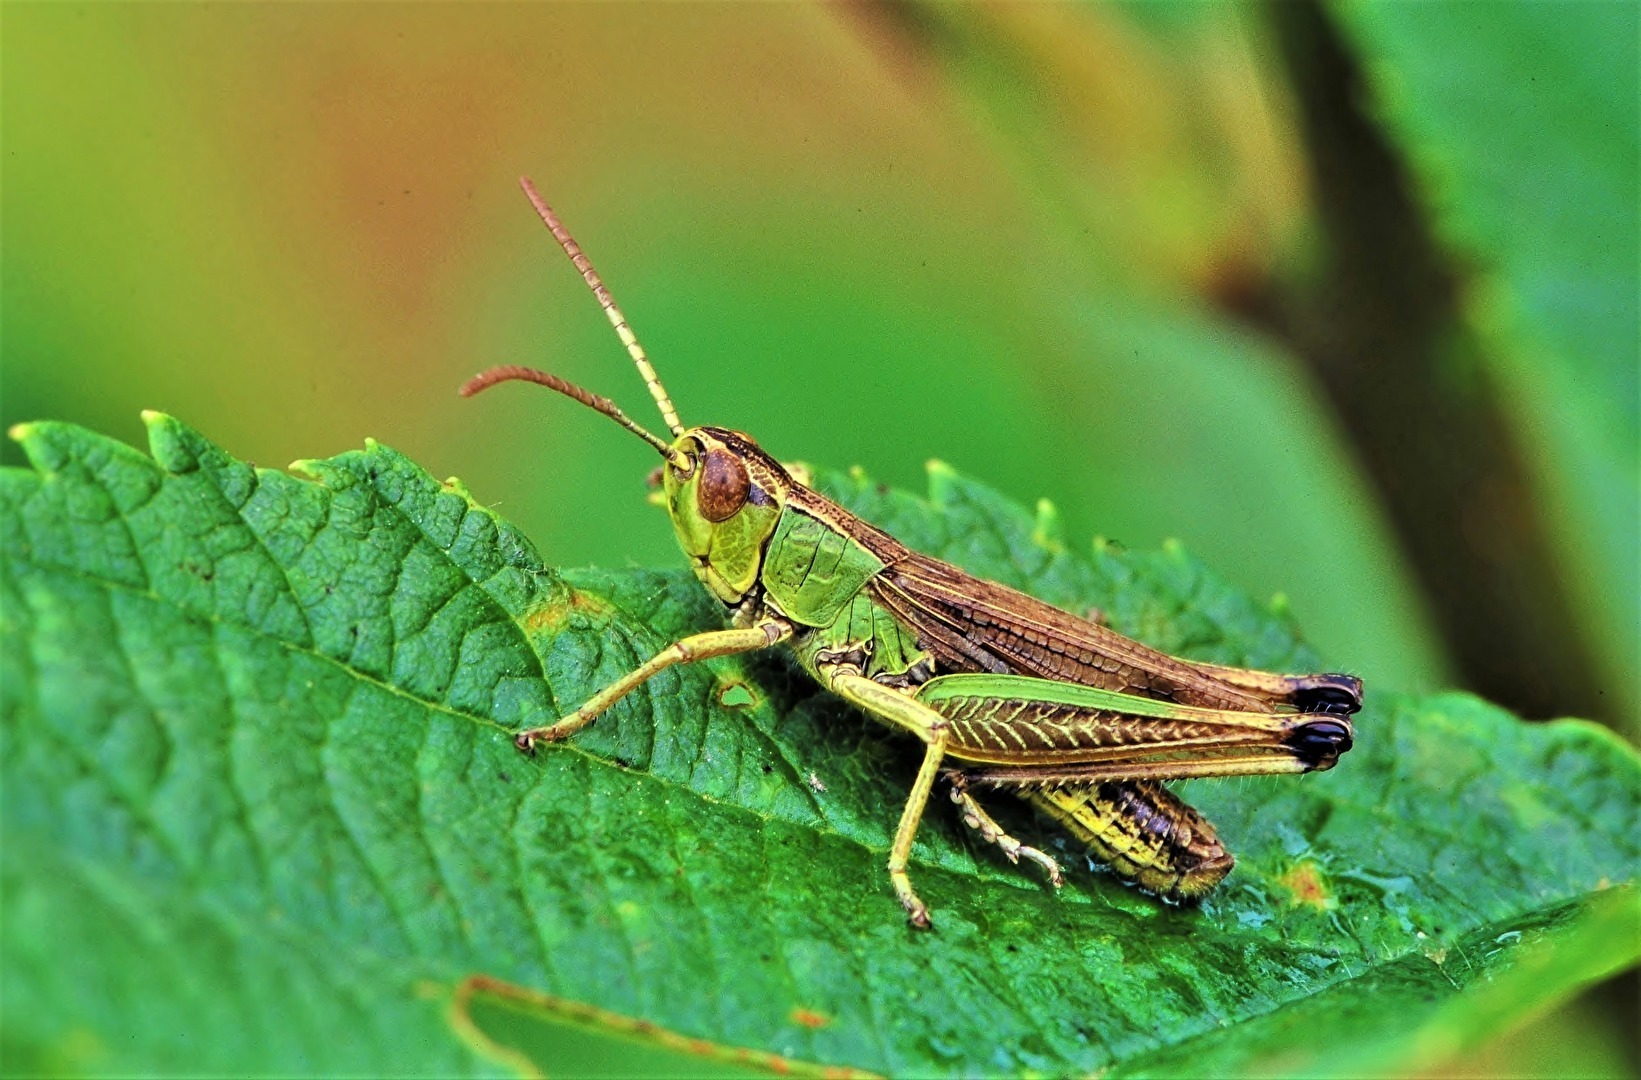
900,852
699,647
976,818
896,708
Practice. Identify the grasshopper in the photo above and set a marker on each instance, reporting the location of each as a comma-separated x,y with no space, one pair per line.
1001,689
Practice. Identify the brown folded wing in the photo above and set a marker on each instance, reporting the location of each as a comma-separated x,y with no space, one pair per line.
970,624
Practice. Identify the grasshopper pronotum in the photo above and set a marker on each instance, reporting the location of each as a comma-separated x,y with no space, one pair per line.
1004,690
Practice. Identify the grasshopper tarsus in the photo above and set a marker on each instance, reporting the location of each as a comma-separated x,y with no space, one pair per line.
1078,720
1047,862
557,731
917,912
1017,851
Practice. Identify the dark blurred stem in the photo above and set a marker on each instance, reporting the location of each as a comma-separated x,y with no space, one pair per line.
1380,325
1379,322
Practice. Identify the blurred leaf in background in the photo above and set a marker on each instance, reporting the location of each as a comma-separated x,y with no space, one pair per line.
1520,124
1344,297
304,223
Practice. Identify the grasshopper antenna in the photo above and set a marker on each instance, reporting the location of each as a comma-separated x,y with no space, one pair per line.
509,373
617,320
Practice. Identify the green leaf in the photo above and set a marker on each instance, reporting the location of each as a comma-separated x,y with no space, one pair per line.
261,812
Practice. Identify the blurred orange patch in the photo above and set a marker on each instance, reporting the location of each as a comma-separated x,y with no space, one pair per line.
1304,881
808,1017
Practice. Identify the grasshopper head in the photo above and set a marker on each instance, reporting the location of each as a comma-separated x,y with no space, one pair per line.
725,497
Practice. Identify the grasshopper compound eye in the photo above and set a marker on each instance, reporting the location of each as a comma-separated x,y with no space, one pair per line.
724,486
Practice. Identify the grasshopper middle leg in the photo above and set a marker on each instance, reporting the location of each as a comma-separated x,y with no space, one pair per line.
900,852
896,708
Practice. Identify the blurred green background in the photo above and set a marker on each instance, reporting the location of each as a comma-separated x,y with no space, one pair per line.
1344,298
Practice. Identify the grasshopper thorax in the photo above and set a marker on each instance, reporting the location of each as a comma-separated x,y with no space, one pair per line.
725,497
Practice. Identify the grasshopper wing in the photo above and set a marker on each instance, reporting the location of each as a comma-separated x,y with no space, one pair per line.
971,624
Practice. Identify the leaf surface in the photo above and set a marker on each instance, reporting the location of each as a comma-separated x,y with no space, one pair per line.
261,811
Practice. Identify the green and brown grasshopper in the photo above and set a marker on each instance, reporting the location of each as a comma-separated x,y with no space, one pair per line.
1004,690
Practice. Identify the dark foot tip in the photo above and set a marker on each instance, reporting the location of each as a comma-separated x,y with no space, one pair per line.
1336,694
1318,743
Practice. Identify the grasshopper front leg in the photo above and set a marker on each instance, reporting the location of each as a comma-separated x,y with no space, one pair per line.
698,647
891,705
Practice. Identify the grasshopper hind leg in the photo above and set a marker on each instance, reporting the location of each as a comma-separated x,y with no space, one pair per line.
976,818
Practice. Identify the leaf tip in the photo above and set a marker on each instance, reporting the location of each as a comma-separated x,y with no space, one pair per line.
800,471
942,479
19,432
1046,531
163,438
